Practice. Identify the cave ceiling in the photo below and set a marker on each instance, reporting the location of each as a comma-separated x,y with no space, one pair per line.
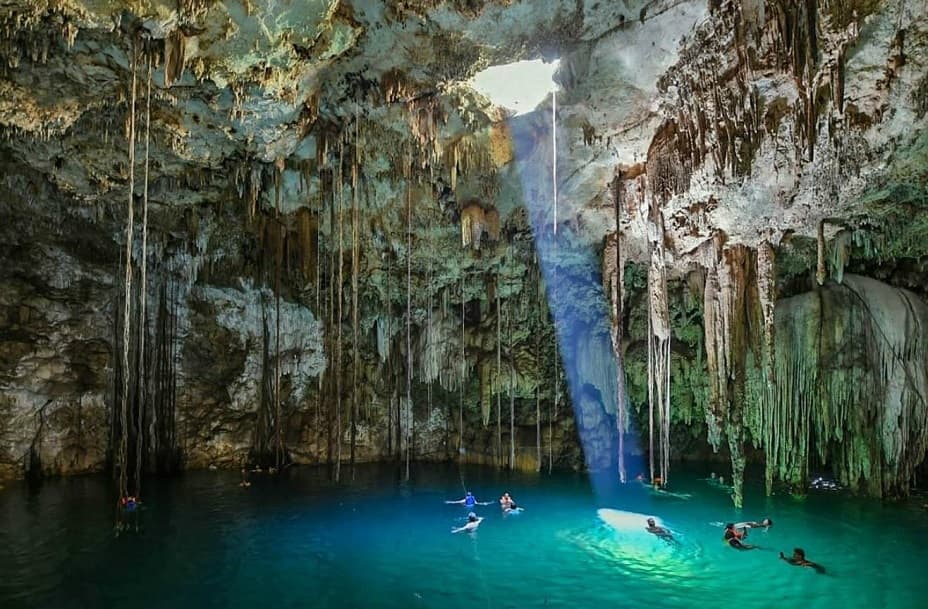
745,119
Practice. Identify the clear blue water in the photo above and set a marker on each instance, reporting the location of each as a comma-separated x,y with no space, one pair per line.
298,540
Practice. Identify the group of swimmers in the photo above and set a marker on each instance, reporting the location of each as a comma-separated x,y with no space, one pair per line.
506,503
735,536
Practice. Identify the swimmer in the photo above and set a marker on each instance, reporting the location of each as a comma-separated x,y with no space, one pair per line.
244,483
734,538
659,492
719,483
473,521
766,523
504,501
798,559
659,531
129,503
469,501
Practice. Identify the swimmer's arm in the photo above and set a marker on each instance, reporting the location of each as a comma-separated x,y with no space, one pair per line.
461,501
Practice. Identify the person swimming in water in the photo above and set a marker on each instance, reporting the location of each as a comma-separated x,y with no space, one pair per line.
658,531
658,491
508,504
504,501
766,523
798,559
469,501
473,521
129,503
735,538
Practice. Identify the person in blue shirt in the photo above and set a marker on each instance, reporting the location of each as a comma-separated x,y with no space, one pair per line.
469,501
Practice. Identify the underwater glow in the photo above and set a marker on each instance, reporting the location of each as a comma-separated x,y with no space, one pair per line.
628,522
518,86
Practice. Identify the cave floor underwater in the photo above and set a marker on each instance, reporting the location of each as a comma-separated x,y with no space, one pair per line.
298,540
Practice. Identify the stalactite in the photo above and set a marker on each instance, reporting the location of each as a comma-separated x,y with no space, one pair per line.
840,255
127,304
658,345
175,50
499,377
355,261
614,275
650,402
512,396
767,294
330,333
318,312
389,334
278,262
463,375
143,295
339,185
537,431
428,333
409,410
821,272
731,310
767,291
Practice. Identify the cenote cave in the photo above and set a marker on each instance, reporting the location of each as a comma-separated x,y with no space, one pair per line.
463,303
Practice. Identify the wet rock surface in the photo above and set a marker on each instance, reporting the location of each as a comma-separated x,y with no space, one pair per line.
348,251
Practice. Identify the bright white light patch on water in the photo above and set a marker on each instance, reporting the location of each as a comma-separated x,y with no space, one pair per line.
626,522
518,86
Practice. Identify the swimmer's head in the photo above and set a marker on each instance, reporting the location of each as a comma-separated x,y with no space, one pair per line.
650,522
472,517
799,553
469,494
729,526
767,522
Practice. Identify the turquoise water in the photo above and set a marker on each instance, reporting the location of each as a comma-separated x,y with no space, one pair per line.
298,540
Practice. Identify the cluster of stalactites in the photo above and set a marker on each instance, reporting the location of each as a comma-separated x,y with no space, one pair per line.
468,155
731,311
175,57
426,116
658,347
852,387
477,222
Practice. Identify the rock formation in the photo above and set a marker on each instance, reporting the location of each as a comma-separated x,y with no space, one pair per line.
254,231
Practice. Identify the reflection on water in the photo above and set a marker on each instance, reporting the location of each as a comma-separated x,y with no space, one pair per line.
298,540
